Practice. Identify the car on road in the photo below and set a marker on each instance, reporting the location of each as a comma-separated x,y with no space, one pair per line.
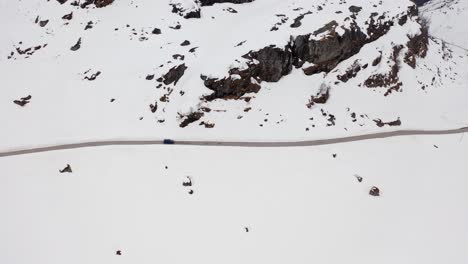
168,142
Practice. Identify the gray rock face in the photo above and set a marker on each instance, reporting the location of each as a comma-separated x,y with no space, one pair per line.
273,64
212,2
324,53
176,8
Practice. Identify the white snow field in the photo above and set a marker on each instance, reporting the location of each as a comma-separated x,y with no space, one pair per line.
71,72
300,205
67,108
448,20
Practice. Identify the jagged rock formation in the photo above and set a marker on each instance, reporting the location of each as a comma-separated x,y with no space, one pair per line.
212,2
191,8
324,54
97,3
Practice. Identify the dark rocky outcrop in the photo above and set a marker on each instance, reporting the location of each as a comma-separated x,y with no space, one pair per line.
321,98
374,191
355,9
273,64
67,169
93,76
297,21
212,2
178,9
329,51
380,123
43,23
77,46
350,73
324,54
185,43
174,74
190,118
68,16
23,101
96,3
391,79
417,45
196,12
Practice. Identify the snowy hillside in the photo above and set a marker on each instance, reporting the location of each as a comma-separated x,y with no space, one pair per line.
448,20
105,73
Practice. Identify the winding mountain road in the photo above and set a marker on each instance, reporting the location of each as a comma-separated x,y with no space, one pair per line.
307,143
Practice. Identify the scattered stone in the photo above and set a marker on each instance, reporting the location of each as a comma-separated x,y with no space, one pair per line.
355,9
77,46
176,27
359,178
187,182
23,101
174,74
68,16
154,107
241,43
231,10
190,118
118,253
185,43
43,23
156,31
178,57
93,76
321,97
380,123
149,77
89,25
374,191
67,169
297,21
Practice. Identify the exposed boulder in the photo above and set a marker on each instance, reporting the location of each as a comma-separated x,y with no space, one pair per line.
23,101
380,123
321,97
186,8
212,2
96,3
268,64
190,118
174,74
388,80
374,191
355,9
328,51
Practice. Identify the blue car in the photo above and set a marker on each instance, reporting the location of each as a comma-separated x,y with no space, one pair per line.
169,142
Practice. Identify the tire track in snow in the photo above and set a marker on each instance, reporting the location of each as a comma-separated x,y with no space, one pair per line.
307,143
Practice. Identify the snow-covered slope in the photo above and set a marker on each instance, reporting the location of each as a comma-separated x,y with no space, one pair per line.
299,205
448,20
106,87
